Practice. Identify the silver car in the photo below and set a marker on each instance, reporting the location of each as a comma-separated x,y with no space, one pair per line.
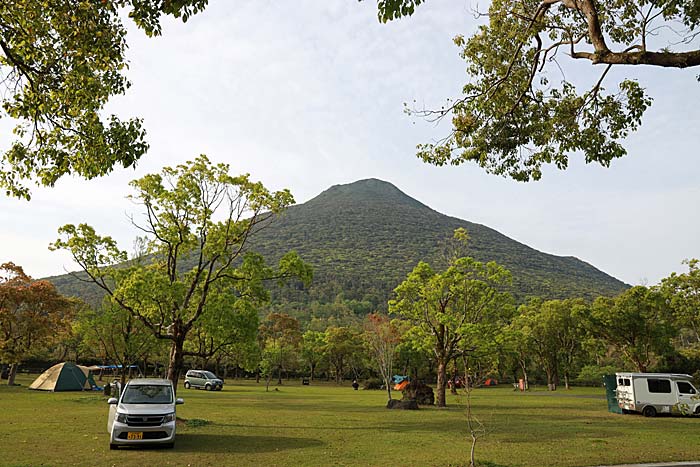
143,413
203,379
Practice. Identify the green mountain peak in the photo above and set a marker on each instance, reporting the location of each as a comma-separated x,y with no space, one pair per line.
363,238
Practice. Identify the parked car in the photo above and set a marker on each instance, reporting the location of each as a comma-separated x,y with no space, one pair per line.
203,379
653,393
143,413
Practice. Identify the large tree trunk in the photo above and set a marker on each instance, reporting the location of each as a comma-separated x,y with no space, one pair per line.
387,382
313,369
122,374
551,383
338,374
441,382
177,361
11,375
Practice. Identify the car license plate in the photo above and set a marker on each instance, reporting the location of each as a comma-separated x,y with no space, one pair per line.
134,435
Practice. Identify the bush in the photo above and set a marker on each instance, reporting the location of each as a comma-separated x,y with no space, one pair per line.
696,378
592,375
373,383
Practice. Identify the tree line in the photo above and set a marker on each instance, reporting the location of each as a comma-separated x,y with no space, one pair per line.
192,293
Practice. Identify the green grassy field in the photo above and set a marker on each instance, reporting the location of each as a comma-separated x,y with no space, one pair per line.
325,425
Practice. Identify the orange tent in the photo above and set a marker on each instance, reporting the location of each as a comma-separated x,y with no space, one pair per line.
402,385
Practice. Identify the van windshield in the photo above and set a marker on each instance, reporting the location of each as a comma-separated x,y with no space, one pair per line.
209,375
148,394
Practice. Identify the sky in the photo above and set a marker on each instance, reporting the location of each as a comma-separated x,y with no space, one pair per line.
309,94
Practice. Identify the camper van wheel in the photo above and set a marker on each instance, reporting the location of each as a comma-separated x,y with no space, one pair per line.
649,411
113,446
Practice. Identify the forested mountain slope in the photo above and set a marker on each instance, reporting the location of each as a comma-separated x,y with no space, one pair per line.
364,237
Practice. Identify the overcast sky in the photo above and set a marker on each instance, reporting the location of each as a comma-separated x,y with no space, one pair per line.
308,94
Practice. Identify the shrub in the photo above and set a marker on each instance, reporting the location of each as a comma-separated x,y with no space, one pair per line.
373,383
592,375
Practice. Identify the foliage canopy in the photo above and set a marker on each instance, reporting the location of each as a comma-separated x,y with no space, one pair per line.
60,63
195,272
520,110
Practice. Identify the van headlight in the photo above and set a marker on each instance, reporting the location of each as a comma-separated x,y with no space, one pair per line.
170,417
121,417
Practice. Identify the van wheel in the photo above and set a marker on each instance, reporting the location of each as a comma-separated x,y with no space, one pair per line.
649,411
207,387
187,384
112,446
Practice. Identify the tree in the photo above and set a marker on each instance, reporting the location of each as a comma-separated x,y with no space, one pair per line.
553,334
32,315
683,293
637,323
515,342
382,336
343,345
198,221
312,350
120,337
519,110
231,326
444,305
60,63
281,337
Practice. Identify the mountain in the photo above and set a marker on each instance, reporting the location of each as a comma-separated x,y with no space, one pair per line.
363,238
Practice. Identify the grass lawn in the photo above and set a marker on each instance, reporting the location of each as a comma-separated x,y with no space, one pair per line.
325,425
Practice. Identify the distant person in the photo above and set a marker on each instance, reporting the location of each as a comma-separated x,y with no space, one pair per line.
355,384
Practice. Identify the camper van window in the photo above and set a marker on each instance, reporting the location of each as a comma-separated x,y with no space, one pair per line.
662,386
619,382
626,382
685,388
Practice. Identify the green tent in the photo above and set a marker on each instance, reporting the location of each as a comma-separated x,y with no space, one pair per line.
610,383
64,377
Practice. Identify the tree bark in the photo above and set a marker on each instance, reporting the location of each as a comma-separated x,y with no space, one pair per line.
551,384
523,367
12,374
441,382
177,361
122,375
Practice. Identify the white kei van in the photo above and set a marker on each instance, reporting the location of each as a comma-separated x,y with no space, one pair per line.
654,393
144,413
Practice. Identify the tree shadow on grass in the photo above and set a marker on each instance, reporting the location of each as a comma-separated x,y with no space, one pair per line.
202,442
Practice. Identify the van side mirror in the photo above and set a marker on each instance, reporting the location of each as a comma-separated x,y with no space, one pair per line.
179,401
112,400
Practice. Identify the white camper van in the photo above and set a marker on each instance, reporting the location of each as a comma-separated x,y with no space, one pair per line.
652,393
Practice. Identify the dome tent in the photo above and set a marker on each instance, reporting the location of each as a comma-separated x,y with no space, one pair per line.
64,377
